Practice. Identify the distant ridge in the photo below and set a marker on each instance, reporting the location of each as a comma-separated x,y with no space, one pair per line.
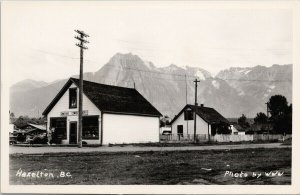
231,92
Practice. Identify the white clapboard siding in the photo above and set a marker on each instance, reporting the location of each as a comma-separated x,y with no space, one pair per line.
188,126
120,129
63,105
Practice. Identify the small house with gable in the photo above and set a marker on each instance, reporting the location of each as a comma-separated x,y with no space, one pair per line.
111,114
208,121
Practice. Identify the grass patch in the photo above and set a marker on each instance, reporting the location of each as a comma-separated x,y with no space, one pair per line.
162,168
287,142
181,144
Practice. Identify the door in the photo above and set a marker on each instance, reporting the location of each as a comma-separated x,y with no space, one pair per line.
179,131
73,133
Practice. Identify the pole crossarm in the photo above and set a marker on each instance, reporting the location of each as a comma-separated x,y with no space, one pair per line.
82,33
81,46
80,39
196,81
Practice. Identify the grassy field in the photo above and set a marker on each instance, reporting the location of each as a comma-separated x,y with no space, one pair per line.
176,167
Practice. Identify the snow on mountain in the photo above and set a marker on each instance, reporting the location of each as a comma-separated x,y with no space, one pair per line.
260,82
200,75
272,86
149,65
232,92
216,84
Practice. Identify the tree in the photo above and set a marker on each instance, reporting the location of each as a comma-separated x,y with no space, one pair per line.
22,121
289,119
11,115
261,118
281,114
242,121
165,120
277,105
223,129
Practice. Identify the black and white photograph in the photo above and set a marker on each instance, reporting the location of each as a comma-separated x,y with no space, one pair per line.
157,96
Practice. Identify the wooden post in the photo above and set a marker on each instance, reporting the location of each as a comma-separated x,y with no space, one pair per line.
80,99
187,121
268,119
82,47
195,110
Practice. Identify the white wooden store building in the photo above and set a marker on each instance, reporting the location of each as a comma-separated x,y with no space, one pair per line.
111,114
208,121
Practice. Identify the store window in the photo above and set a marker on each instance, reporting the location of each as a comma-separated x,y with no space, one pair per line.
59,125
90,127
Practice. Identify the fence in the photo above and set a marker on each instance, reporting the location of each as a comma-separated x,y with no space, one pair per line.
232,138
180,137
221,138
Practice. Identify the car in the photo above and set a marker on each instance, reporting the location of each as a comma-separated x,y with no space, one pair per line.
167,132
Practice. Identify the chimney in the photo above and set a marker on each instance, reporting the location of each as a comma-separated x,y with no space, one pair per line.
202,105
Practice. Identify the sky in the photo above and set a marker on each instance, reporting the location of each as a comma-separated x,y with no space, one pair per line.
38,37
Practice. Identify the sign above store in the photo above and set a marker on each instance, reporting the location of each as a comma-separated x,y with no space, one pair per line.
73,113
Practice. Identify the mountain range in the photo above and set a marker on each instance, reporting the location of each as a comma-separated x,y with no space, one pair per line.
232,92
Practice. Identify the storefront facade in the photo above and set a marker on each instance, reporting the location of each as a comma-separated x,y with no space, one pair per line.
129,117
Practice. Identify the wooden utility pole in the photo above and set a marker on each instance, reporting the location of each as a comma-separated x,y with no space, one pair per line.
185,89
196,104
81,45
267,110
187,121
268,117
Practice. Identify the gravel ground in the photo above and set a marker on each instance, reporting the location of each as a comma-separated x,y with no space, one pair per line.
129,148
202,167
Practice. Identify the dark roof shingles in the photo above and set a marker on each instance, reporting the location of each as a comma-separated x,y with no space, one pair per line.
209,115
117,99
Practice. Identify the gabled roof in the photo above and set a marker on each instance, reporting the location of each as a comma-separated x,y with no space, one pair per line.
108,98
209,115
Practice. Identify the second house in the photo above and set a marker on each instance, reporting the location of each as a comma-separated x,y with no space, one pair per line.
208,121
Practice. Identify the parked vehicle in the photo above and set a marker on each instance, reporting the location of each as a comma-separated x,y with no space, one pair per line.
12,140
167,132
37,139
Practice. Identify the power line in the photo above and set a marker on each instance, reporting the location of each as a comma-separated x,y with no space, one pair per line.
56,54
171,74
260,80
156,72
64,56
193,76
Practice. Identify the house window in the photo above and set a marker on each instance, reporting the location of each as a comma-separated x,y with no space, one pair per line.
73,98
90,127
60,127
180,129
188,115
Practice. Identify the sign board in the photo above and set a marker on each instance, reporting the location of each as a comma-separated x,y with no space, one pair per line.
73,113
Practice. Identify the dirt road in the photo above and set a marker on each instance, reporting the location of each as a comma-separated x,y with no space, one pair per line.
129,148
